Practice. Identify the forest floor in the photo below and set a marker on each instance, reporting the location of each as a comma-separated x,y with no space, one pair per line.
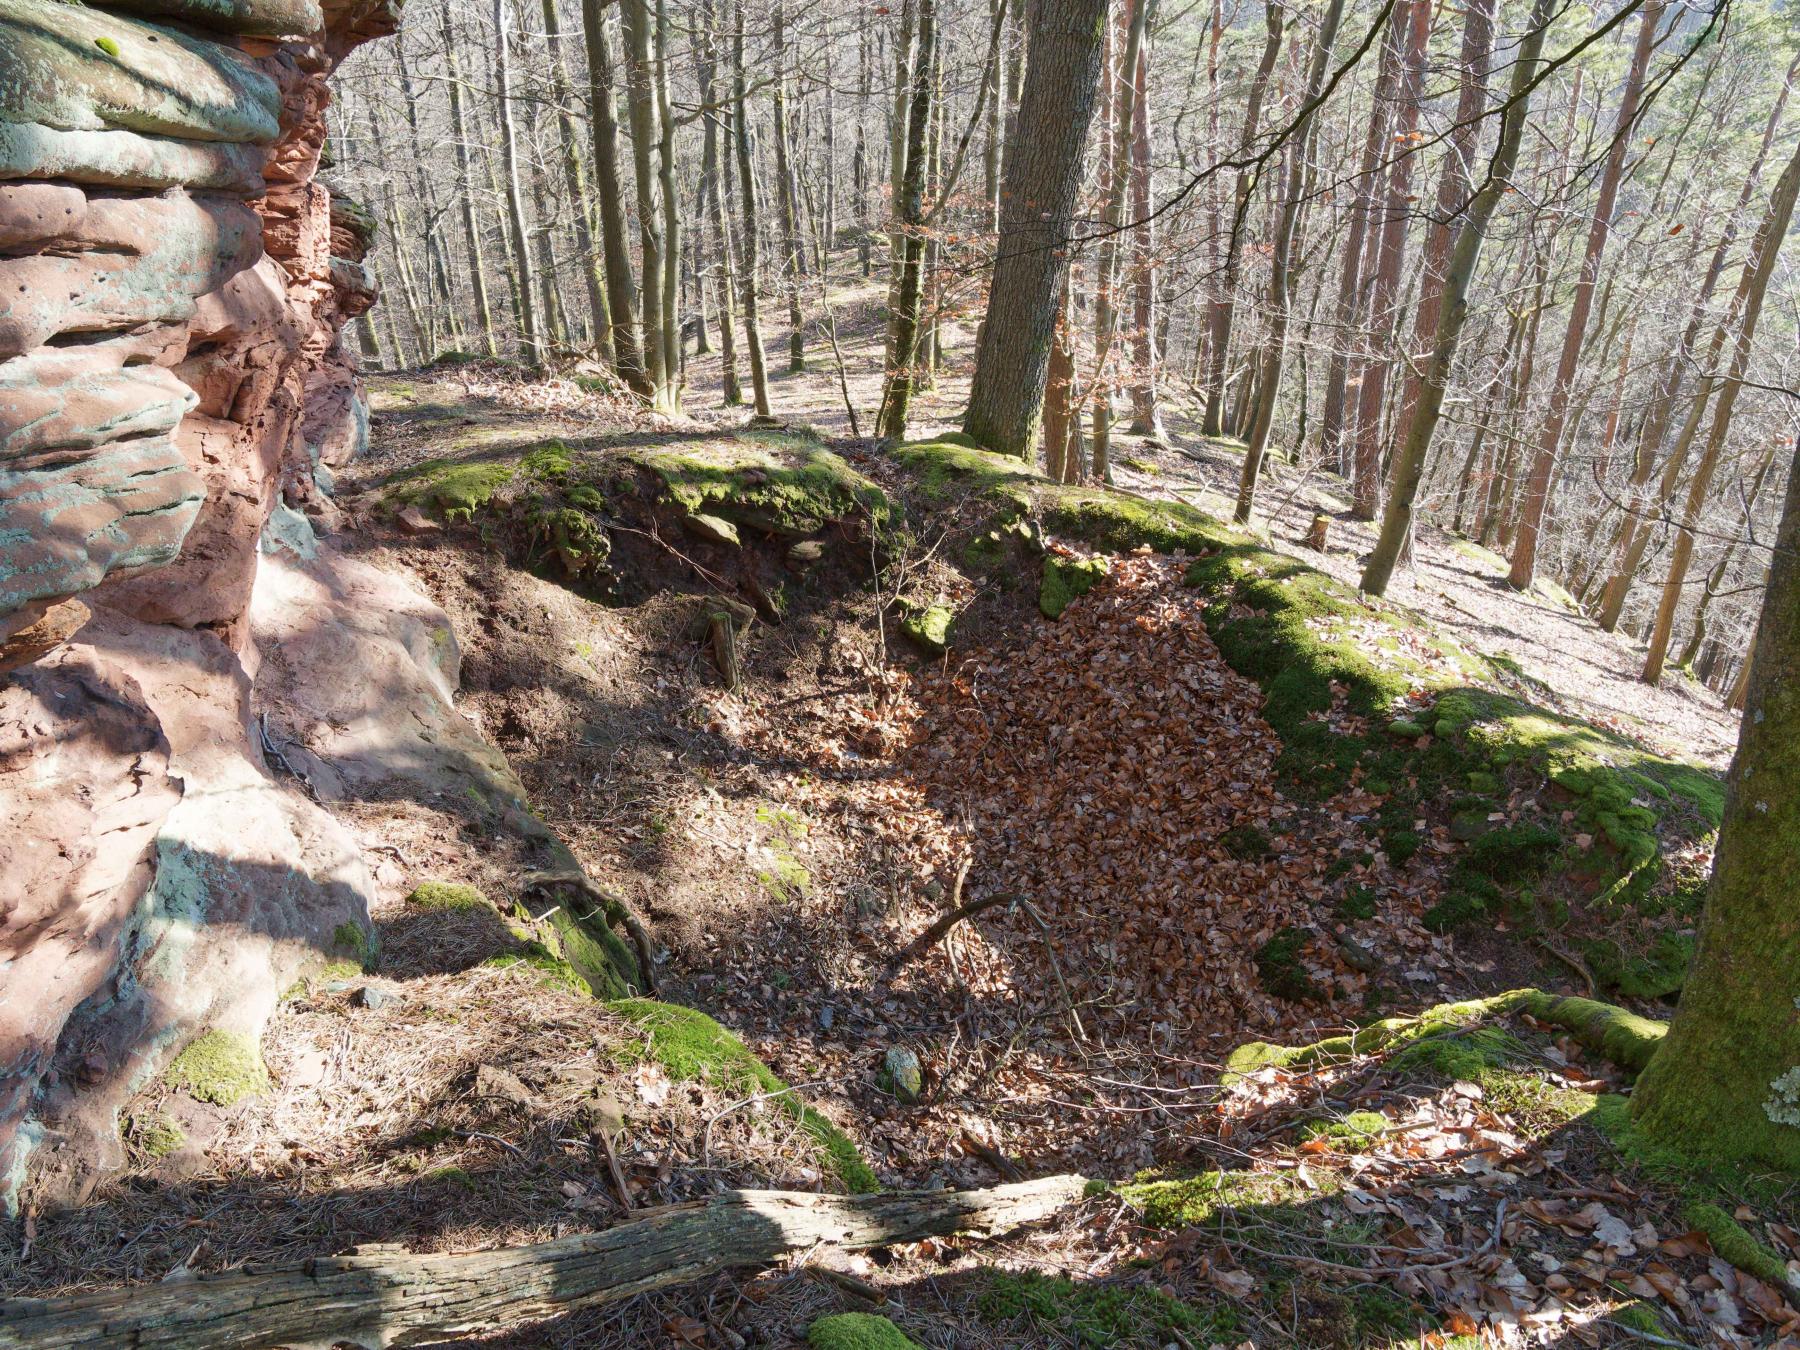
1168,882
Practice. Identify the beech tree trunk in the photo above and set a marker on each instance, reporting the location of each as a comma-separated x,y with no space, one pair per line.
1041,176
603,126
1224,309
753,343
903,346
532,333
1726,1080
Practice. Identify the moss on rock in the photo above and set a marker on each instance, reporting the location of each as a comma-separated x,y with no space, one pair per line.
152,1136
785,483
690,1045
220,1067
928,626
1065,579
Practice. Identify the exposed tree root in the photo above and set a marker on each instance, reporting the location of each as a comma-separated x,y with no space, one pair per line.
1621,1037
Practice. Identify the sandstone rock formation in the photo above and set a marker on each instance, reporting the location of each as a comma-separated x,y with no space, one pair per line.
173,284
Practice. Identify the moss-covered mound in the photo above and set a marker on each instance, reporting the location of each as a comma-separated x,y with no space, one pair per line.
1354,707
559,506
781,482
689,1045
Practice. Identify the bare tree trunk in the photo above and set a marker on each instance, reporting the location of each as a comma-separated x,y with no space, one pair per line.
1040,177
1146,409
593,269
903,352
531,334
1537,483
753,344
1391,242
1280,280
1347,316
784,198
1225,302
1409,464
1656,420
1761,265
459,130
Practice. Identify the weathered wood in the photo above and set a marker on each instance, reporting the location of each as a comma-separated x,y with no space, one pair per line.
378,1298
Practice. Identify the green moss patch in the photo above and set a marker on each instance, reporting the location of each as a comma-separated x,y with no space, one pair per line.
151,1136
1351,1133
1066,579
690,1045
1278,967
220,1067
858,1331
1065,1312
454,489
928,626
783,483
446,896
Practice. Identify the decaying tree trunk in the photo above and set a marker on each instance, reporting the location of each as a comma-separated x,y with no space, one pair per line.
383,1297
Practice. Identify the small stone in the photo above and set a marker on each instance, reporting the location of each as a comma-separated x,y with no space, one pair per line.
929,627
413,521
372,996
826,1017
902,1076
713,529
1467,825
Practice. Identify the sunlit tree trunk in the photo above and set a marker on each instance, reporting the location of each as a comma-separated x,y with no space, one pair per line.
1280,267
903,353
1537,482
531,333
1224,308
1040,177
753,344
1453,308
1763,252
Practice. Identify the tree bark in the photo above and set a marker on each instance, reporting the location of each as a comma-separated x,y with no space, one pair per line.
785,199
1409,465
1389,256
1537,483
484,315
1761,265
903,353
382,1297
1039,181
1212,418
1280,264
753,344
621,298
531,333
1726,1081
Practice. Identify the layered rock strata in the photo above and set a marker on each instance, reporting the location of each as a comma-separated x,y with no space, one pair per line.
174,281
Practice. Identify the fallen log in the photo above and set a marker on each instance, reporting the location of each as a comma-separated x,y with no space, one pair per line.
384,1296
